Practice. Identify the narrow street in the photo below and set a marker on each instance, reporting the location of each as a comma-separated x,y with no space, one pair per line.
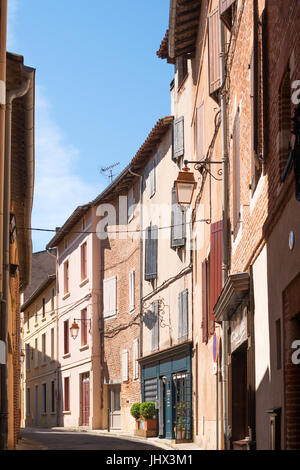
71,440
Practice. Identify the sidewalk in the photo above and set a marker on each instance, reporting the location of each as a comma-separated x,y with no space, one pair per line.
27,444
155,441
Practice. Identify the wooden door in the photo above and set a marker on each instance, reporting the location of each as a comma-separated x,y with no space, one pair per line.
115,407
85,400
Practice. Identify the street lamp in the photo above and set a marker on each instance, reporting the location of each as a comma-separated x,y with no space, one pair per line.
75,327
185,186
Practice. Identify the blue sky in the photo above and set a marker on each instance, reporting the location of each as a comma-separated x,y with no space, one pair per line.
100,88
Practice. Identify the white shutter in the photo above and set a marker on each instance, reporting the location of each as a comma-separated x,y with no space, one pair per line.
130,204
110,297
131,291
152,178
135,359
124,365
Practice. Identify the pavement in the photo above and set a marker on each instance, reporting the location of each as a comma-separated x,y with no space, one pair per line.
26,443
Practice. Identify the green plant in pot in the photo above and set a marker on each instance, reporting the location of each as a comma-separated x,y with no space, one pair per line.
148,410
181,417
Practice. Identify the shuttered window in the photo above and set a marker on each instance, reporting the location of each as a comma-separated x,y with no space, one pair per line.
27,354
183,315
178,138
67,394
135,359
205,290
178,222
199,132
226,12
66,277
110,297
36,353
125,365
28,404
214,53
150,389
130,204
44,347
152,178
131,291
151,246
215,266
155,327
83,256
236,190
66,337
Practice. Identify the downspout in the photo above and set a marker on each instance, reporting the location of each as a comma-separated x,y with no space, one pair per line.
3,27
140,260
10,97
225,242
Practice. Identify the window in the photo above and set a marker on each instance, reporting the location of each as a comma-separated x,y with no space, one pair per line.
83,327
178,222
182,69
178,138
152,178
36,314
52,396
215,267
44,347
27,354
125,376
214,54
135,359
155,326
183,315
52,344
27,322
36,353
66,277
83,256
44,307
151,247
53,300
67,394
227,8
28,404
199,132
205,297
130,205
131,291
44,398
66,337
110,297
285,122
236,190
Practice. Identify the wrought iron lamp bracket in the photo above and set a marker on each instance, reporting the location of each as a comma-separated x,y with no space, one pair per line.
203,165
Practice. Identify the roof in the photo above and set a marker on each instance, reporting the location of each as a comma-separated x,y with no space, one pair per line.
46,283
22,157
122,182
163,51
43,266
183,27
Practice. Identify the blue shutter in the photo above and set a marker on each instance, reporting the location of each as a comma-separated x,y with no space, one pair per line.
180,309
178,138
178,222
151,253
185,314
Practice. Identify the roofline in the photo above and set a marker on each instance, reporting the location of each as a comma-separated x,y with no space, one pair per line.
38,291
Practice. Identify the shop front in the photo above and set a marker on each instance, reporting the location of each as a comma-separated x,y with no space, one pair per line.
166,380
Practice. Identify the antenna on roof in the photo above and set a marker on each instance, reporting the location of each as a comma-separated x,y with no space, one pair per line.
109,169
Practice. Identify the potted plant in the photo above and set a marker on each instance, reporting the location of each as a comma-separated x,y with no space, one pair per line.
136,413
181,417
145,416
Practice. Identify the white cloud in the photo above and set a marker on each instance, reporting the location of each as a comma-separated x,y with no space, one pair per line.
58,187
12,8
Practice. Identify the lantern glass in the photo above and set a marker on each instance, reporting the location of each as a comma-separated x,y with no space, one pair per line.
185,192
74,330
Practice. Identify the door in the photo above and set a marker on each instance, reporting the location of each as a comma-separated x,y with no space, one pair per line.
85,400
36,417
115,407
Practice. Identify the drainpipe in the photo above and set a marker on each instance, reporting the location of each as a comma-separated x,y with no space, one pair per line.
225,243
140,259
3,25
10,97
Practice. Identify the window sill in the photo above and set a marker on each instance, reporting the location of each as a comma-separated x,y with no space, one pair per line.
132,311
66,296
84,348
113,317
66,356
44,319
84,282
66,412
52,313
36,325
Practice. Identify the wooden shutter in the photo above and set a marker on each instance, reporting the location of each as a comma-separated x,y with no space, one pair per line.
130,204
180,314
66,336
204,302
214,52
178,138
200,132
215,262
124,365
151,246
226,12
155,328
152,178
131,290
160,408
67,393
185,314
109,297
178,222
224,5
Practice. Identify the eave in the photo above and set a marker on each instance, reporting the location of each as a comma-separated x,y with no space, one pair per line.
183,27
234,291
46,283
